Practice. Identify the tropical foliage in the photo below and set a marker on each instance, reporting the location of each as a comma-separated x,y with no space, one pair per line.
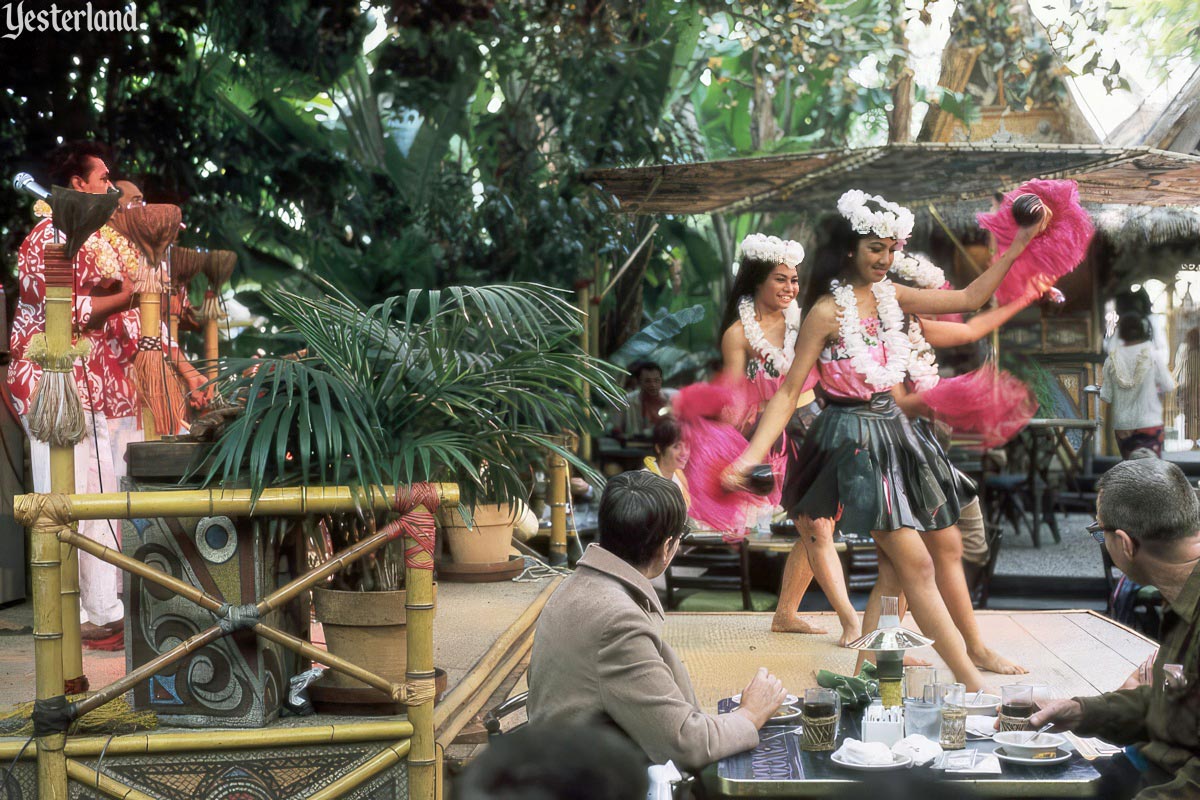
462,384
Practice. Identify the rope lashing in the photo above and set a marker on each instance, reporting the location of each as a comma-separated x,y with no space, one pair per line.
50,716
238,618
149,343
417,524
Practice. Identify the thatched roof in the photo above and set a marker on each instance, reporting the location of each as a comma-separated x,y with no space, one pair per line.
909,173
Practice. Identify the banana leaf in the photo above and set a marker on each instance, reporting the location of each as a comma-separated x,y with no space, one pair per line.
80,214
650,338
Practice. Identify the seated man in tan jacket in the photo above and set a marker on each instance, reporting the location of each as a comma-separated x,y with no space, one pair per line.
598,654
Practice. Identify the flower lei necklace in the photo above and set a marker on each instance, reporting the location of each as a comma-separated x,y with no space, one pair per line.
922,360
895,340
776,360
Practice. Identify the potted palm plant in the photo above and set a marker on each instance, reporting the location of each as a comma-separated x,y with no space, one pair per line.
464,384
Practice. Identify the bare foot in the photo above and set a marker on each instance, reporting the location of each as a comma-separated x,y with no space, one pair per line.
991,661
912,661
792,623
850,632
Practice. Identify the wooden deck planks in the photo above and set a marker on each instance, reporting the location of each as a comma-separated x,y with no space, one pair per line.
1074,652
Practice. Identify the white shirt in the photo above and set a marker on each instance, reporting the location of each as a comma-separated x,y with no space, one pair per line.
1134,378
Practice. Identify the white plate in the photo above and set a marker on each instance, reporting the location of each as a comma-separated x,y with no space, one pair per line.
897,763
791,699
1063,755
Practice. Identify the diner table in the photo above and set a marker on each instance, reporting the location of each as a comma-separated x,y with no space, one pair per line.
779,768
1046,441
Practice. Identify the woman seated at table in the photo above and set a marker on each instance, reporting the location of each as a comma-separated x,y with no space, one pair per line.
671,454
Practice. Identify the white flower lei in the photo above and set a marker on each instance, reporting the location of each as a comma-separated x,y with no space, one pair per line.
917,267
772,249
922,360
780,358
896,344
892,222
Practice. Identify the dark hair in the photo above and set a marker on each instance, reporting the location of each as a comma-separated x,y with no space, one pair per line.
666,433
751,274
72,159
1150,499
836,244
1133,328
641,366
639,511
555,762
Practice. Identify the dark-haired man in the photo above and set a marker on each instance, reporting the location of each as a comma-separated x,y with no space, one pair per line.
1148,517
645,405
100,293
599,656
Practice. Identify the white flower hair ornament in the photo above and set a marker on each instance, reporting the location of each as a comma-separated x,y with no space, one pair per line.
919,270
892,221
772,249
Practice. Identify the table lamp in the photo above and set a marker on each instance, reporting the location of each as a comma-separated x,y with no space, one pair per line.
888,642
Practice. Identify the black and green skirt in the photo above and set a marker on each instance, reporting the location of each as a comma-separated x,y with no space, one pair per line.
868,462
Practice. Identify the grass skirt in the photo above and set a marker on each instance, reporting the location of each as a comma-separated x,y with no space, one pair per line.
867,462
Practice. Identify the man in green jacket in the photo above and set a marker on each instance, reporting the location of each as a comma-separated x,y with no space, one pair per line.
1148,517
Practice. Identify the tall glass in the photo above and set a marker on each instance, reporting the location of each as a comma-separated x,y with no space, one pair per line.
916,679
822,710
922,718
1016,706
954,718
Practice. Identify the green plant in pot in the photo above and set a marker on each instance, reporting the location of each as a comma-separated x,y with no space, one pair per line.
464,384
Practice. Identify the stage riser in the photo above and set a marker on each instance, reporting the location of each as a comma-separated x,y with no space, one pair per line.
263,774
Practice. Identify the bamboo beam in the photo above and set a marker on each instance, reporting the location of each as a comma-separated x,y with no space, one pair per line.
124,684
558,479
150,309
584,301
239,739
397,691
390,756
296,500
420,604
60,311
211,350
94,779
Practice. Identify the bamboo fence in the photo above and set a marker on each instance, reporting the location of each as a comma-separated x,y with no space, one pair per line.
51,518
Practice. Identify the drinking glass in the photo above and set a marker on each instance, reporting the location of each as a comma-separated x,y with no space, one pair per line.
822,710
922,718
954,718
1016,706
1040,692
916,679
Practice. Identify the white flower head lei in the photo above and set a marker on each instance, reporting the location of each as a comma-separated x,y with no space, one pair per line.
922,360
896,342
919,270
772,249
892,221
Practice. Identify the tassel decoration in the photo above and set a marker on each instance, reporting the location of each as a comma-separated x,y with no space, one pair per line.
55,412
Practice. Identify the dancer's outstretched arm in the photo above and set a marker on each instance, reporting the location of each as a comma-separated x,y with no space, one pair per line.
818,326
942,333
954,301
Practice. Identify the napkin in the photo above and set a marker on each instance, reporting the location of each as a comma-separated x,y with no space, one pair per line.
661,778
864,754
960,761
981,726
917,747
856,692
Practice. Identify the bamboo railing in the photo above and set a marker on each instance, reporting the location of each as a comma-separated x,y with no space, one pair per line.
50,518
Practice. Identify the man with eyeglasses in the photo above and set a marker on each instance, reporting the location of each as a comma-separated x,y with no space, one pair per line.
1148,518
598,653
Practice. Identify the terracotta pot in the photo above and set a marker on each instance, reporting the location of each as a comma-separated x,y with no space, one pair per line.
366,628
487,542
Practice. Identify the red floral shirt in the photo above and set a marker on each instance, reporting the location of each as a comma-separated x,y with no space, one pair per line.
93,269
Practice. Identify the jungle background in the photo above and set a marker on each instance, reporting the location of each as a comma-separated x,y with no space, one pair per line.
438,142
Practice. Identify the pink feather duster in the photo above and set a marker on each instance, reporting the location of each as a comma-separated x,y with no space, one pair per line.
1054,252
703,410
986,401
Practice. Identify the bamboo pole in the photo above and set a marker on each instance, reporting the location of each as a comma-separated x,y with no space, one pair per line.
558,509
297,500
94,779
183,742
47,655
152,667
584,299
420,604
388,757
150,309
397,691
211,351
60,311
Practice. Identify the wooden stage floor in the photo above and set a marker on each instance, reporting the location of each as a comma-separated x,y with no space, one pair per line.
1074,652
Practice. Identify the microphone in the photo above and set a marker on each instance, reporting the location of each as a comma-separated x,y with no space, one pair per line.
24,182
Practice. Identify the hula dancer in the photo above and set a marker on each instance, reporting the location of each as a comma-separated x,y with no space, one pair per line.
862,459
